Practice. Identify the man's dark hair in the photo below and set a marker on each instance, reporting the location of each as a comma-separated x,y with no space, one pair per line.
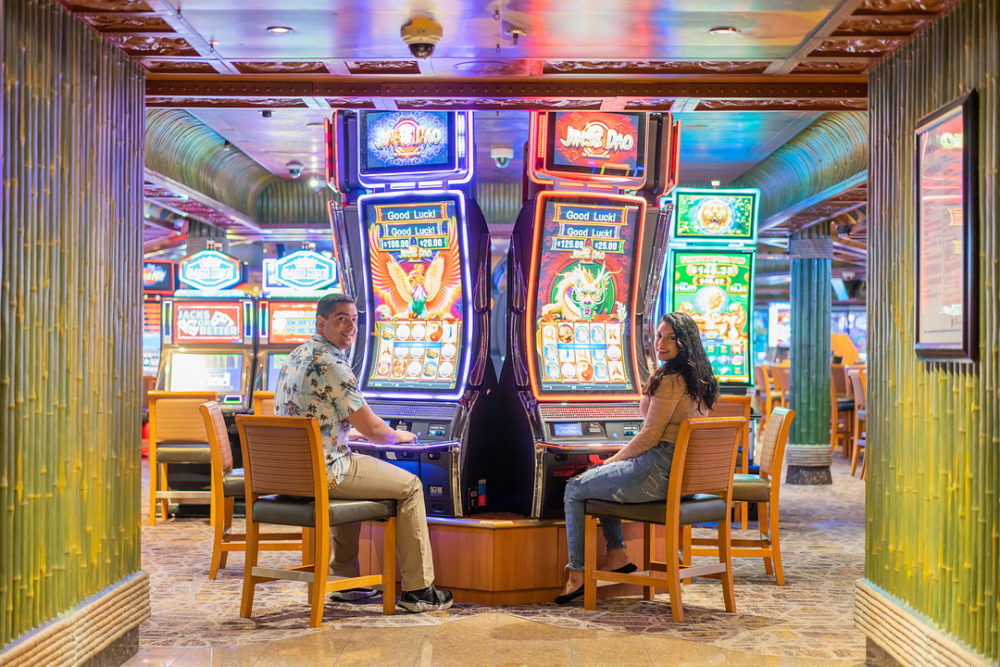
330,301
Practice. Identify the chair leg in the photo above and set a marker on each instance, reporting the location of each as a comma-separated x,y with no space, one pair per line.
217,536
648,592
250,562
854,455
864,463
227,526
152,485
389,567
164,504
671,536
685,542
772,511
726,557
589,562
308,544
321,565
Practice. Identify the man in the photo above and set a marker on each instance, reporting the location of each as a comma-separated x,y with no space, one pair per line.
317,381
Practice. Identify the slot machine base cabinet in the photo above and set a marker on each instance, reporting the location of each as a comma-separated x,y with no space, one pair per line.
436,466
501,559
554,465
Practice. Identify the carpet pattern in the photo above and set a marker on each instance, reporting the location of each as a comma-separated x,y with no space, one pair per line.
809,617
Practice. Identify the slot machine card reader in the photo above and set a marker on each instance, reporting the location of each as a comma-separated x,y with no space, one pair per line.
232,399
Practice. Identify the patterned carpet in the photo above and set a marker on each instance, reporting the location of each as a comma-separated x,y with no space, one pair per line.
809,617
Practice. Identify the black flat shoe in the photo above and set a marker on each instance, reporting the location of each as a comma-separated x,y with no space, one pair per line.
627,568
569,597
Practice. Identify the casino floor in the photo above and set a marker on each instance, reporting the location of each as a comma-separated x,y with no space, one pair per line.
195,621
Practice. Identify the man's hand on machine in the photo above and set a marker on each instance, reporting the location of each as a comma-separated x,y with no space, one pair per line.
404,437
354,435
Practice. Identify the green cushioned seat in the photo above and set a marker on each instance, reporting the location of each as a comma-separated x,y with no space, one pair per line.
751,488
288,511
233,484
183,452
699,508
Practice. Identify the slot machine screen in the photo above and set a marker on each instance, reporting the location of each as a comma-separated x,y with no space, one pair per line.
715,215
596,143
221,373
715,289
274,364
200,322
151,316
580,328
291,323
393,142
779,324
417,293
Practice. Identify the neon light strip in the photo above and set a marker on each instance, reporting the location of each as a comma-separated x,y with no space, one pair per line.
467,315
529,321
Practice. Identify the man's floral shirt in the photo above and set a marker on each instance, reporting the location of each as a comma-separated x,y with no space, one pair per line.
317,381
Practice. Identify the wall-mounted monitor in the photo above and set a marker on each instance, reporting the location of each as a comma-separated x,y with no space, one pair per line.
412,146
599,146
716,289
779,324
221,373
715,216
418,293
158,277
582,292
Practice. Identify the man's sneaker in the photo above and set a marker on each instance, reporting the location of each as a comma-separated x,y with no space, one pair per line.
354,594
425,599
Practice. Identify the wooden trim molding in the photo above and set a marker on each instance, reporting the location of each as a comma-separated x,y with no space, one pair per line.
87,629
904,633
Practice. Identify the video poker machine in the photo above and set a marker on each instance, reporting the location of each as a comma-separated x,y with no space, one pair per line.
208,331
709,274
423,267
580,252
291,286
158,281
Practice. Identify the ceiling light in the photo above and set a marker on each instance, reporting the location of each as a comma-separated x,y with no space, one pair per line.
722,30
279,29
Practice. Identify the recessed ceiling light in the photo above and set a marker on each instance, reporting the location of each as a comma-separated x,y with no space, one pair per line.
279,29
717,30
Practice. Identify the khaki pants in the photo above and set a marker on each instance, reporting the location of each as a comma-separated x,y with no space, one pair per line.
372,479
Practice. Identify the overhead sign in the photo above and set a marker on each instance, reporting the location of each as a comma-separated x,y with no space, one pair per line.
158,277
303,272
713,216
210,270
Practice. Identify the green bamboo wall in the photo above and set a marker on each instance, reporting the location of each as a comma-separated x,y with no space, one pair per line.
934,474
72,145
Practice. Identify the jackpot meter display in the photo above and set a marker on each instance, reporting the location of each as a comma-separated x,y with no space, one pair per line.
714,288
417,293
581,312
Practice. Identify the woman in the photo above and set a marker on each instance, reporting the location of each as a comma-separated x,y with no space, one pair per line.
684,386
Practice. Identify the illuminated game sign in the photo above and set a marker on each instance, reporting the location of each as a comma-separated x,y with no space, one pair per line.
208,322
303,272
158,277
210,270
714,288
582,311
779,324
418,292
589,146
402,142
290,323
715,215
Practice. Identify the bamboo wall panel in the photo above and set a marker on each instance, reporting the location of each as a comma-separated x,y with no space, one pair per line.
934,429
72,145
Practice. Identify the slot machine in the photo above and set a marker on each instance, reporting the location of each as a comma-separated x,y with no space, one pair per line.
208,331
291,286
709,274
580,251
157,283
420,254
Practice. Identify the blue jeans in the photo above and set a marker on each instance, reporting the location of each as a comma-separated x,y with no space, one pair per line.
639,480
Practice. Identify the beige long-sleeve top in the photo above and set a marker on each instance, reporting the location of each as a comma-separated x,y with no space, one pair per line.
663,413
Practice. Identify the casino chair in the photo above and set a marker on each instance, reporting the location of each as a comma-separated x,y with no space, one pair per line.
227,485
263,403
841,409
176,435
738,406
700,490
781,375
762,489
858,388
286,484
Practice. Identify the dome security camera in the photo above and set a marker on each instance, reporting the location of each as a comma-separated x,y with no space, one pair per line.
502,154
294,168
421,33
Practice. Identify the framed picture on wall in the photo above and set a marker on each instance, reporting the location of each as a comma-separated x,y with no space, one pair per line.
946,217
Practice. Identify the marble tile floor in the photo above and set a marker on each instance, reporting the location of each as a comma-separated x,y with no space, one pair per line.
808,621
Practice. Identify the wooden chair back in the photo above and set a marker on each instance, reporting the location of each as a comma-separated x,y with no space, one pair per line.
838,380
174,416
263,403
218,440
857,378
704,457
772,450
782,382
282,455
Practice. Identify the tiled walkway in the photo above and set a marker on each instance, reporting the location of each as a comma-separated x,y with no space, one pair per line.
808,621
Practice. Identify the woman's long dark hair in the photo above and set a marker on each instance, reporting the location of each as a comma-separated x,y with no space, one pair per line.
691,362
